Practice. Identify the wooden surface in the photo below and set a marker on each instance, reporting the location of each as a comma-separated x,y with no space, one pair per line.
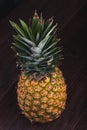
72,19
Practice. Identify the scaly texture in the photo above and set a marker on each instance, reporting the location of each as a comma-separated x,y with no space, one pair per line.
42,101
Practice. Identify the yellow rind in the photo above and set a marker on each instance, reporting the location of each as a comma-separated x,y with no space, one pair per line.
42,101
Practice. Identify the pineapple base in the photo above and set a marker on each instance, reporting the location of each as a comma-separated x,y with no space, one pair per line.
42,101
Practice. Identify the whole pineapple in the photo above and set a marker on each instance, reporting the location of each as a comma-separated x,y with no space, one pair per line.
41,88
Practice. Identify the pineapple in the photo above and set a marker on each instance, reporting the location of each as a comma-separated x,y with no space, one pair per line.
41,90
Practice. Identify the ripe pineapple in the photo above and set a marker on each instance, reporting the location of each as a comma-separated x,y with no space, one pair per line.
41,91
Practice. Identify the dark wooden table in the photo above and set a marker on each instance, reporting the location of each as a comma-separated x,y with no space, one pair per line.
72,19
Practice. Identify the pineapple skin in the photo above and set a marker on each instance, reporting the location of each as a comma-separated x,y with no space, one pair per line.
44,100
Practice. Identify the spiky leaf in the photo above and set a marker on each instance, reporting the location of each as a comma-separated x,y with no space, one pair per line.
36,45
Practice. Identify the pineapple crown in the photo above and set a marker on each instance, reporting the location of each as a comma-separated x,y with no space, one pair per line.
36,46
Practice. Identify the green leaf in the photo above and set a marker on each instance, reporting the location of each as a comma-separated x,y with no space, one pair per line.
36,28
30,63
45,59
36,50
24,25
36,46
27,29
46,30
26,57
43,42
37,37
17,29
52,45
51,30
51,52
41,28
50,41
34,23
28,41
21,47
18,51
17,38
